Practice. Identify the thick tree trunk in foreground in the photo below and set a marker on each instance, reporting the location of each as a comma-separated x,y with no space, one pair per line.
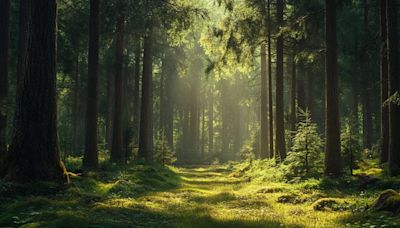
280,125
333,162
117,152
34,152
394,81
146,114
264,153
384,85
90,159
4,40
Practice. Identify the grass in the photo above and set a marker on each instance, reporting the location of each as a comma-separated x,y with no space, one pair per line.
232,195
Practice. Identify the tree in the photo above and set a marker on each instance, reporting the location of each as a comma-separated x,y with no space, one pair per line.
394,81
305,155
210,120
91,154
34,153
136,93
264,153
146,114
4,40
384,85
280,124
117,153
333,163
293,93
270,98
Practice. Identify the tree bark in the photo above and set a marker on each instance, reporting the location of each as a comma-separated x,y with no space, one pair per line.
110,109
75,109
270,98
293,118
280,125
394,81
34,152
90,159
4,60
384,85
170,103
310,92
264,153
211,122
117,152
136,94
146,120
367,117
333,162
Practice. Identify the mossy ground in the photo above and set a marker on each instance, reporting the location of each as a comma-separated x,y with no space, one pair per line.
209,196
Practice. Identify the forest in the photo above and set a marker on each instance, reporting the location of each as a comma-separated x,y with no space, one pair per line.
200,113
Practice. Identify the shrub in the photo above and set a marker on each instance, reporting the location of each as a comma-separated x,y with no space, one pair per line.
305,155
350,146
164,155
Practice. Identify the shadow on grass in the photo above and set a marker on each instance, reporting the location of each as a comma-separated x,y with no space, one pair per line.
46,204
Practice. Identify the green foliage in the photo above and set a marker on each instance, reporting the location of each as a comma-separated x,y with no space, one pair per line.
395,99
163,154
305,155
251,147
350,147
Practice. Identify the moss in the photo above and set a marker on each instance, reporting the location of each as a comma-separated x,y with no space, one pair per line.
388,200
326,204
290,199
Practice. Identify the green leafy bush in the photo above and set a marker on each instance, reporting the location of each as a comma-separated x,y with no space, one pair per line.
250,149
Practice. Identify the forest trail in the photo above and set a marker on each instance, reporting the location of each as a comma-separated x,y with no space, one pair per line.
210,196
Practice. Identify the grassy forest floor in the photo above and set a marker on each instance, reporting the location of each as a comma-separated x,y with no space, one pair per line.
235,195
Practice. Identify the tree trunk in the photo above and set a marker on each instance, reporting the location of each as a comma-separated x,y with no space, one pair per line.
162,97
270,98
293,118
264,153
384,85
194,118
280,125
136,95
310,92
146,120
117,152
333,162
34,152
110,109
367,117
300,90
394,81
203,132
170,104
4,51
90,159
75,109
211,122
